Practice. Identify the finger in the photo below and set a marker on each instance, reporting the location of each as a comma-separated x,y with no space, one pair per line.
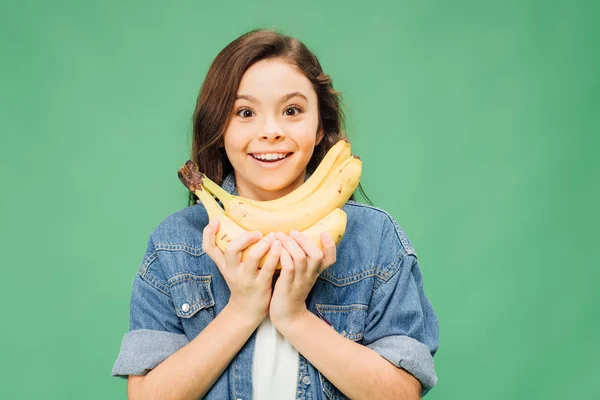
329,251
209,244
233,252
312,251
298,255
255,252
270,265
287,267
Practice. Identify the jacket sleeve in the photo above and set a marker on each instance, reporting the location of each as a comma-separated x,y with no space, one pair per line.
155,331
401,324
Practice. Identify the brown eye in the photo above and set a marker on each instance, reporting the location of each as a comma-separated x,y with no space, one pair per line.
244,113
292,111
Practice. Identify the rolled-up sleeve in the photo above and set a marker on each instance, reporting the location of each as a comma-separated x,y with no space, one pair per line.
401,324
155,331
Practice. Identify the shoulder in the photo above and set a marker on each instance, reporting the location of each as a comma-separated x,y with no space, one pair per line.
377,224
373,241
173,245
181,229
374,245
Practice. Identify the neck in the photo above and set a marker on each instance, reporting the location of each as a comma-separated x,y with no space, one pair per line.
258,194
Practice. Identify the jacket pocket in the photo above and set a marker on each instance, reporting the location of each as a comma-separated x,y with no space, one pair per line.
349,321
193,301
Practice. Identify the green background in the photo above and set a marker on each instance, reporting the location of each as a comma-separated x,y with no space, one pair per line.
477,123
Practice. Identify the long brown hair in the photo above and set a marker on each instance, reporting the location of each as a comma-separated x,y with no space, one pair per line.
219,89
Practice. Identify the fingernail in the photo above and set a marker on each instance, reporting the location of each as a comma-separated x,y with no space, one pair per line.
213,222
294,233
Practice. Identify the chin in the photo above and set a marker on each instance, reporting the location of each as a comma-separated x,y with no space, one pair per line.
274,185
268,187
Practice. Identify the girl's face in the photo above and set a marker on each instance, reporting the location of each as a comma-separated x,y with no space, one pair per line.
272,131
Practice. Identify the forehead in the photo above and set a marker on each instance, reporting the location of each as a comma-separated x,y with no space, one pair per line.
273,78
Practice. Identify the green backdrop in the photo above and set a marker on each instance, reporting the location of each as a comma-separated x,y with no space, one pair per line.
477,123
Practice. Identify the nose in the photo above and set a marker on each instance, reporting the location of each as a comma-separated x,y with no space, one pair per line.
272,130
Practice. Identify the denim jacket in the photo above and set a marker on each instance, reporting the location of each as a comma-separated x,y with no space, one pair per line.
372,295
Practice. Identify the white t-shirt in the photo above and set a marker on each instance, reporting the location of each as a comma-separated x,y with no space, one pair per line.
275,365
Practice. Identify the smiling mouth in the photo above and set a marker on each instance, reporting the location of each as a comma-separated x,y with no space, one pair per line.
271,161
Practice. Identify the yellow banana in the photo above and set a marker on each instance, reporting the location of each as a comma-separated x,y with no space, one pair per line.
333,223
336,155
301,215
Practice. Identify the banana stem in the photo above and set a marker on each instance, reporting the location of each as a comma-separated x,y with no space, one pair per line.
191,177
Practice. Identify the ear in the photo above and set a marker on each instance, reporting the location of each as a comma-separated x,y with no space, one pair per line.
320,136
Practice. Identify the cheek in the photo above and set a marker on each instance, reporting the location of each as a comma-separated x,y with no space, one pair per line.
233,153
304,132
236,139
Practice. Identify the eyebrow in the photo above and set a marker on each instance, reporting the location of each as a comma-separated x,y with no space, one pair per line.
284,98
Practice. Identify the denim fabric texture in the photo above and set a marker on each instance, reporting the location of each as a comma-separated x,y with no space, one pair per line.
372,295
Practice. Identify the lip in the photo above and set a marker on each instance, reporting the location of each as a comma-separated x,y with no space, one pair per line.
271,151
273,165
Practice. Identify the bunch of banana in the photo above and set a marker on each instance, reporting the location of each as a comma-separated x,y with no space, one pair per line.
311,209
336,155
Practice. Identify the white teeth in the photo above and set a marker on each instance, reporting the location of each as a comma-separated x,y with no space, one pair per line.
269,156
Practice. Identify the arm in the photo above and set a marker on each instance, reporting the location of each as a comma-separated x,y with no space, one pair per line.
182,369
358,371
191,371
401,330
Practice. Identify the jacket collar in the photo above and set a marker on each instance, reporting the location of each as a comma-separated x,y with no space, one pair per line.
229,184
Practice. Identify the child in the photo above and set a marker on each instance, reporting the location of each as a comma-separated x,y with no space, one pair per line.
345,322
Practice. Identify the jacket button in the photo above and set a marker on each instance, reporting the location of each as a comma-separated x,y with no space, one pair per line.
185,307
306,380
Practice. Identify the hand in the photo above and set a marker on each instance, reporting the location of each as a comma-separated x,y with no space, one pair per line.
250,287
301,264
